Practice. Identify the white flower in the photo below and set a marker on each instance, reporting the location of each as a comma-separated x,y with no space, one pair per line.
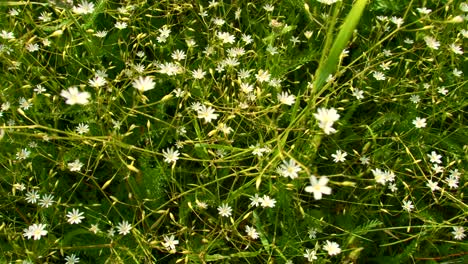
143,84
23,154
286,98
419,122
97,81
36,231
424,10
72,259
256,200
432,42
198,74
328,2
225,210
289,169
339,156
170,242
267,201
332,248
73,96
326,118
178,55
456,49
359,94
94,228
318,187
7,35
82,128
171,155
84,8
379,76
207,113
75,216
432,185
262,76
75,165
120,25
458,232
124,227
457,72
32,196
310,254
46,200
408,206
225,37
251,232
434,157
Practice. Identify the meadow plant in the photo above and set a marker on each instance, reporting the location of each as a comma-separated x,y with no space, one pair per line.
173,131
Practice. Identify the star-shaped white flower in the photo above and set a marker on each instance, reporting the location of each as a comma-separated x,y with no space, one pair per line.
318,187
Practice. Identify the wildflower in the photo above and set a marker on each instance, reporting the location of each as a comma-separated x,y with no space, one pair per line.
432,185
101,33
225,210
39,89
36,231
247,39
75,165
310,254
225,37
364,160
419,122
73,96
434,157
201,204
170,242
207,113
262,76
379,76
312,232
392,187
286,98
326,118
84,8
437,169
328,2
72,259
318,187
457,72
32,47
256,200
424,10
246,87
267,201
32,196
442,90
198,74
408,206
458,232
24,104
94,228
75,216
379,176
143,84
251,232
456,49
23,154
339,156
171,155
124,227
82,128
97,81
415,99
224,128
398,21
289,169
169,68
178,55
218,21
432,42
46,200
332,248
359,94
120,25
7,35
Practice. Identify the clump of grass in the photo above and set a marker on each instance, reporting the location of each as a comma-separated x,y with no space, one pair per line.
232,132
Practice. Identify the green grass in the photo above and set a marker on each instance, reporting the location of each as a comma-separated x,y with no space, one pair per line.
233,132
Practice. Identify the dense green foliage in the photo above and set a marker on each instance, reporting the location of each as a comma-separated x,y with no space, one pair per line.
175,131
